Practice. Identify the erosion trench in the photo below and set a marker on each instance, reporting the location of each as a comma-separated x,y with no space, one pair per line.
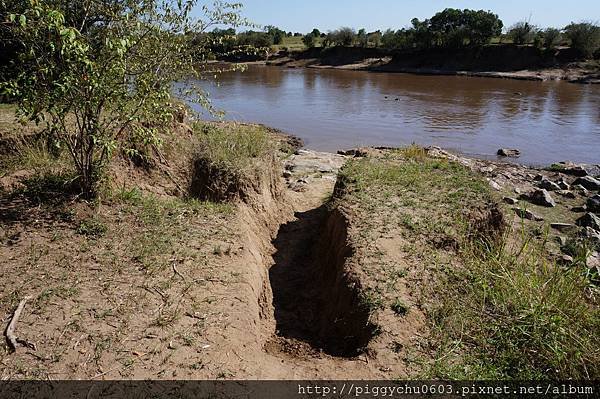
315,302
310,320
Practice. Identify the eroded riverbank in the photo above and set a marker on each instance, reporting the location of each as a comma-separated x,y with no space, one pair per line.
238,255
500,61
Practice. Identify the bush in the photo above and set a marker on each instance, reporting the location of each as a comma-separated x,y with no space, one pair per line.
113,78
552,38
585,37
342,37
522,32
455,28
309,40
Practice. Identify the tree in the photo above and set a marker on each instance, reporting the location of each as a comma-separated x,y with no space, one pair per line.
276,34
316,33
482,26
104,78
253,39
585,37
421,35
389,40
309,40
456,28
343,36
552,38
522,32
375,38
361,38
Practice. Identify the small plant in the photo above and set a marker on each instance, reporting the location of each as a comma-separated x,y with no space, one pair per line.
399,307
92,227
132,195
371,300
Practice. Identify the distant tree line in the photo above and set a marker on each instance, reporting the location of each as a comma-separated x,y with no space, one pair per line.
448,29
454,28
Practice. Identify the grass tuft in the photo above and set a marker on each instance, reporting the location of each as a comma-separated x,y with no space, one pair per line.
233,147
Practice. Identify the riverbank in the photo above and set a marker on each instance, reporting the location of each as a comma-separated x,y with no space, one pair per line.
504,62
237,255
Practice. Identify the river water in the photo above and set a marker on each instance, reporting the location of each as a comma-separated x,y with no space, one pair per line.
337,109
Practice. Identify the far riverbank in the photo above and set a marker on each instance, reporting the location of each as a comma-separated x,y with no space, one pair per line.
504,61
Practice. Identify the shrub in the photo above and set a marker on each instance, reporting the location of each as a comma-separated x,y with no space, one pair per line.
109,69
343,36
522,32
552,38
585,37
309,40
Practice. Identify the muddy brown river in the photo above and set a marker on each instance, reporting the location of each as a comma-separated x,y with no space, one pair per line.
336,109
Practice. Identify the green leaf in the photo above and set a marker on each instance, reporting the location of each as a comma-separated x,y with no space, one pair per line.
22,20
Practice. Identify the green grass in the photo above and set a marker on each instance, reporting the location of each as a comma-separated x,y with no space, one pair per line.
518,316
234,146
508,311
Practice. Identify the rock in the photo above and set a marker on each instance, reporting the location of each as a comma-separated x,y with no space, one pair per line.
326,169
567,194
593,261
593,204
579,209
589,220
511,201
538,177
543,198
569,168
562,226
562,241
517,190
287,174
509,152
565,260
495,185
527,214
355,152
589,183
582,190
562,183
591,234
548,185
487,169
298,187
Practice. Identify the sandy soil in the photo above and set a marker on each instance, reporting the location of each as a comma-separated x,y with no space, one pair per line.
173,291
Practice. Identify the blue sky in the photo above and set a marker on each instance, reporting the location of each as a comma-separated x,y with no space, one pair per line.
303,15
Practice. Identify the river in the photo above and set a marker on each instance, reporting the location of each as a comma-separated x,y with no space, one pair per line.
336,109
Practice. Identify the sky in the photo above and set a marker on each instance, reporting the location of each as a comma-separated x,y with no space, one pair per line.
304,15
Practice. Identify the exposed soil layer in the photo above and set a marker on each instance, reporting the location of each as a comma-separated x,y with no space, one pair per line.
315,299
495,61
